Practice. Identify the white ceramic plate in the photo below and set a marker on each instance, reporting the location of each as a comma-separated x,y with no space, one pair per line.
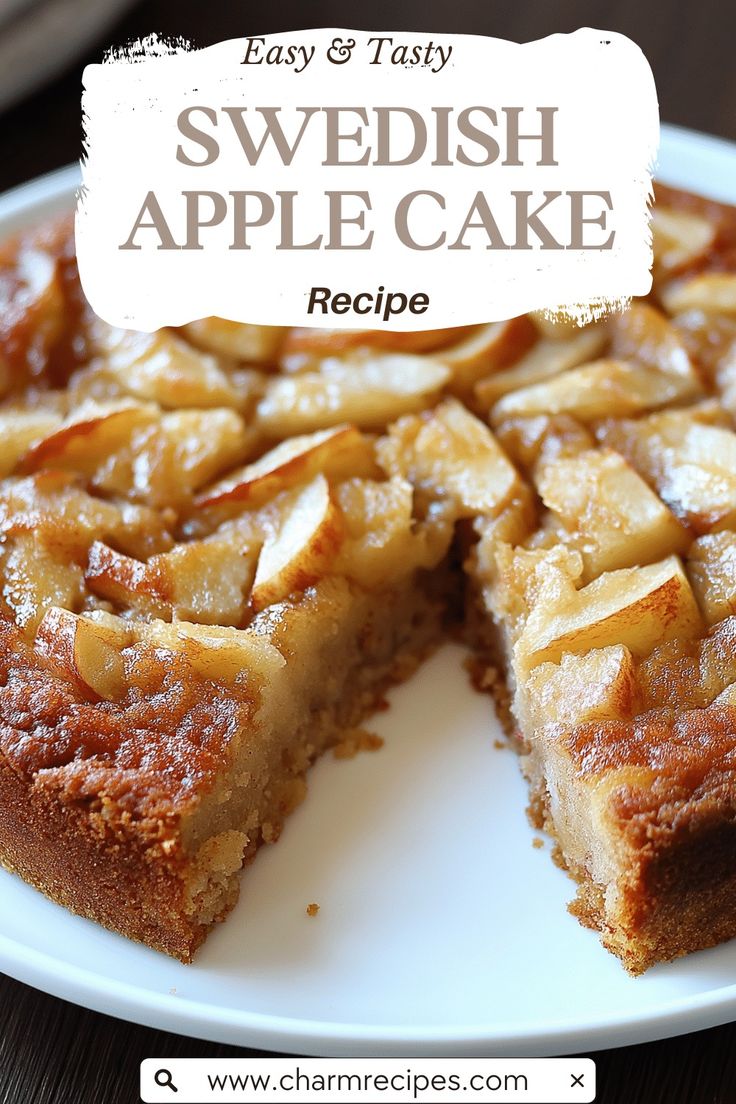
441,931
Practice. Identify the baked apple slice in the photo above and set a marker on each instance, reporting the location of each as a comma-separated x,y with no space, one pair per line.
366,392
713,292
217,653
547,358
608,510
20,430
85,650
644,335
35,576
88,649
637,607
90,435
449,453
602,389
711,568
679,238
379,544
316,342
201,581
337,453
306,535
487,349
239,340
166,463
160,367
600,685
692,464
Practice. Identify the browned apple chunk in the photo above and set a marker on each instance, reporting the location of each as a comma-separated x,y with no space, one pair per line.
206,582
108,654
608,511
161,368
383,541
218,653
32,315
239,340
517,579
163,464
599,685
690,673
714,292
35,578
54,502
337,453
211,580
532,442
691,464
367,392
21,429
711,343
306,534
85,651
679,238
448,453
711,567
378,541
487,349
638,607
128,582
643,334
548,358
89,436
605,388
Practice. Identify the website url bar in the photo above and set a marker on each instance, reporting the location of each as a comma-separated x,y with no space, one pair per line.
359,1080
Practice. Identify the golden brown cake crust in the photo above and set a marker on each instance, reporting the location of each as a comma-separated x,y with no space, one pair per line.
92,794
124,876
151,755
669,785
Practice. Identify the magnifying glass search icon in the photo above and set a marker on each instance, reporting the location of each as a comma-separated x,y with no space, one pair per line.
163,1079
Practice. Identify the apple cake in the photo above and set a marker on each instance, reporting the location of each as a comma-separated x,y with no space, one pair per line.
221,544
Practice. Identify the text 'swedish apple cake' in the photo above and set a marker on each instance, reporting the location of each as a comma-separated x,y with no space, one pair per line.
220,545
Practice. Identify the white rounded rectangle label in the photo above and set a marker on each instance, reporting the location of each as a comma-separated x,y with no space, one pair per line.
354,179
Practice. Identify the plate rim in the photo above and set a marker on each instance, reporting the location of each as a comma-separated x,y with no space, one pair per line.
198,1019
287,1034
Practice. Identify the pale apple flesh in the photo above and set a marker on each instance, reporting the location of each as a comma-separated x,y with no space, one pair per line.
306,537
91,649
691,464
368,392
549,357
337,452
711,568
253,344
636,607
449,454
606,388
607,510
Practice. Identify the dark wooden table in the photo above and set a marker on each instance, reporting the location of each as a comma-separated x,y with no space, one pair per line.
54,1053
